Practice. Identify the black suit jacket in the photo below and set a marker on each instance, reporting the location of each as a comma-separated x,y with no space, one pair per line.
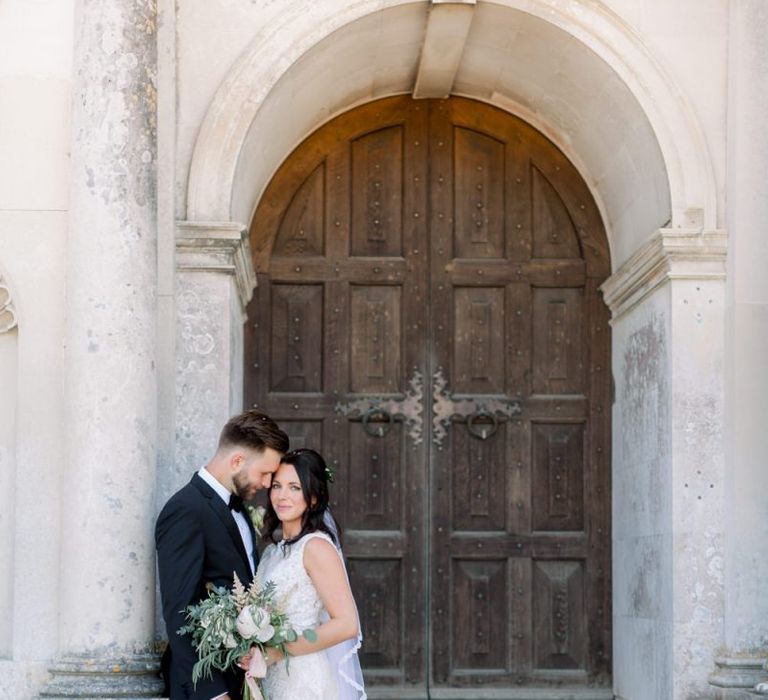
198,542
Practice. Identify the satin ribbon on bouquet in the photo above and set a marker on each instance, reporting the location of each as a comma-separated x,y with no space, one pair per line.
257,669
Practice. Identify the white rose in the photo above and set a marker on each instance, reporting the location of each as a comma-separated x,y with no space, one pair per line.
253,623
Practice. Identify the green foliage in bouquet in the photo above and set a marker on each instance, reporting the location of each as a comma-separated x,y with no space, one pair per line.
227,624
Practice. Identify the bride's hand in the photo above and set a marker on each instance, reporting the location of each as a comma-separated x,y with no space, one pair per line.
245,661
273,655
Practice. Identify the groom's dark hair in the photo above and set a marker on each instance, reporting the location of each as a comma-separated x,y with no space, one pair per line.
253,429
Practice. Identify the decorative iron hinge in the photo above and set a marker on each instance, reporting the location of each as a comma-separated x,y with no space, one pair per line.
481,415
379,413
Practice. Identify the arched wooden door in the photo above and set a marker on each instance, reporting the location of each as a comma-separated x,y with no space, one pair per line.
428,316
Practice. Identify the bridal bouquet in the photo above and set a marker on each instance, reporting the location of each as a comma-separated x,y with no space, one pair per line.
227,624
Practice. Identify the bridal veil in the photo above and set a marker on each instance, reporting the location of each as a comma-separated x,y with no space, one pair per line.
343,657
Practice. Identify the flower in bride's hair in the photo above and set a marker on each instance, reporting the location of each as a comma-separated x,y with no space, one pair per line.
253,622
256,514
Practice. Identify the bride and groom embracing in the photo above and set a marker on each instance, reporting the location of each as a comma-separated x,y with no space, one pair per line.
204,537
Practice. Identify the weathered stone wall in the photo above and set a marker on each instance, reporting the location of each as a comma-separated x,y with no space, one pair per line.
642,472
746,629
680,589
35,83
698,480
668,465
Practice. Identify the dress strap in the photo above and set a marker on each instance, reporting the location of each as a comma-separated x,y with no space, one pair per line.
313,536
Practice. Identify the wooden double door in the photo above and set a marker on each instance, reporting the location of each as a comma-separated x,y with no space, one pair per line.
428,317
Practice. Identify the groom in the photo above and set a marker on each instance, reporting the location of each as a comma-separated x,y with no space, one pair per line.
204,536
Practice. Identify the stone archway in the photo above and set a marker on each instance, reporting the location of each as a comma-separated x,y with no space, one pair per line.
642,155
594,78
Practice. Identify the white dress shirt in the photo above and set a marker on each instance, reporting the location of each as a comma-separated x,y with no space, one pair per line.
240,518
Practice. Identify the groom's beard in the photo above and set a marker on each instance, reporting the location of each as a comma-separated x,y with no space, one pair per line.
243,489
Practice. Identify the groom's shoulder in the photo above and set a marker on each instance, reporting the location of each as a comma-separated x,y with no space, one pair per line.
188,497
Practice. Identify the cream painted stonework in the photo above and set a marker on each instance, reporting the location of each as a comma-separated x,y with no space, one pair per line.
125,263
631,132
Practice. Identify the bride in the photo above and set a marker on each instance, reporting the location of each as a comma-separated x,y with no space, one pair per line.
312,587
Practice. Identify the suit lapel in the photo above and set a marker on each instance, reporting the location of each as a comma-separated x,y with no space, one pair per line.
225,515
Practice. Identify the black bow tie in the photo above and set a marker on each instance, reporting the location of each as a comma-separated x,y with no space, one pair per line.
235,503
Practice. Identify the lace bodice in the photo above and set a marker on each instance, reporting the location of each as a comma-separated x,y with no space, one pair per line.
307,677
295,593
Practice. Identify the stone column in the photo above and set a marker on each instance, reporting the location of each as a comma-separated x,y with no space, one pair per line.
668,479
739,666
214,283
108,481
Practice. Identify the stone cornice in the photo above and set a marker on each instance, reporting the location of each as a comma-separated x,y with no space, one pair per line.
668,255
7,310
217,246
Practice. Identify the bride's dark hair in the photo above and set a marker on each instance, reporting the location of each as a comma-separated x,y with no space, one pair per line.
313,476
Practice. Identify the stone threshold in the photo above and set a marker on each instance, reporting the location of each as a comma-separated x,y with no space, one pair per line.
490,694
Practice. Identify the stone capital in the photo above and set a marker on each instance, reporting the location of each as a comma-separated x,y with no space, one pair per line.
668,255
217,246
7,310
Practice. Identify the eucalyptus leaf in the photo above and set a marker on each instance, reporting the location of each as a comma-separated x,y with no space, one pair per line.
310,635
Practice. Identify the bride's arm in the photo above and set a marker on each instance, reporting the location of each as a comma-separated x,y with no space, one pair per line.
324,566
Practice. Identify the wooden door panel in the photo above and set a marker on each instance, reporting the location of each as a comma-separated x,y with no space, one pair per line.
376,487
558,344
478,195
557,464
376,358
379,603
297,322
303,433
554,233
480,616
479,488
559,615
479,340
377,193
302,230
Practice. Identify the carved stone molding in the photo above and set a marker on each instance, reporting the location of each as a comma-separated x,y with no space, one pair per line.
7,310
129,678
669,254
742,671
218,246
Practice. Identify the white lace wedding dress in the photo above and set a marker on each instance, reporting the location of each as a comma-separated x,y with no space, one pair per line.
308,677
